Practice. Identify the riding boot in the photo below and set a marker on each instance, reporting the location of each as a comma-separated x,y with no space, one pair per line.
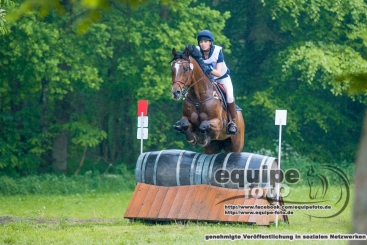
232,127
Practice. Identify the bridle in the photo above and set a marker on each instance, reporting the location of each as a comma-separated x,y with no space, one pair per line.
198,103
184,84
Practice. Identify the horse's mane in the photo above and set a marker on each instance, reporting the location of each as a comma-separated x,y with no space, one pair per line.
180,55
190,50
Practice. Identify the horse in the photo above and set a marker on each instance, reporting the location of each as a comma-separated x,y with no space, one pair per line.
204,118
319,184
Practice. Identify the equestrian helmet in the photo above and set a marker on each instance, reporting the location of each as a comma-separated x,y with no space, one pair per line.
205,35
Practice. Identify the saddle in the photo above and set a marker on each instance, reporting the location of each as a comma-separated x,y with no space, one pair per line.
223,92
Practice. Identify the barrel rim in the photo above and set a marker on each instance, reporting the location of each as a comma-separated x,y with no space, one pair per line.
192,168
199,167
138,167
155,167
178,167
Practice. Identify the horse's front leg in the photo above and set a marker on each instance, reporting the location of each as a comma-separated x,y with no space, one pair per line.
186,127
204,138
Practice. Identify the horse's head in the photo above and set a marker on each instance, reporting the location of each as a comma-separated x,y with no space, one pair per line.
181,72
316,182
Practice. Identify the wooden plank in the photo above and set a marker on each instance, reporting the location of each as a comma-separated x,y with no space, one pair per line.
196,205
177,203
263,220
147,203
239,201
127,212
187,203
157,203
249,201
195,202
136,203
208,202
231,194
222,194
258,201
167,203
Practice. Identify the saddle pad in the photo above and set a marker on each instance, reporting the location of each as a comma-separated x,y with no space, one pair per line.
222,91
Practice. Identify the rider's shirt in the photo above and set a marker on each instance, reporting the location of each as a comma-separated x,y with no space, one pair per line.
215,56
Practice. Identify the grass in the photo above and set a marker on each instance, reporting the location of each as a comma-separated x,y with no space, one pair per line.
93,218
89,209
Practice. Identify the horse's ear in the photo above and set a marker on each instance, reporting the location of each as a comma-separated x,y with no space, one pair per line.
187,52
174,52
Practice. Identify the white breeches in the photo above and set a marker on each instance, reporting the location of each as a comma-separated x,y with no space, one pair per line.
227,82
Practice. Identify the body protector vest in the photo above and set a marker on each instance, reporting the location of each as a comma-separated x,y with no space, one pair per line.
212,60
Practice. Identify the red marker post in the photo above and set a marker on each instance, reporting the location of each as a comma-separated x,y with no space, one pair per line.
142,132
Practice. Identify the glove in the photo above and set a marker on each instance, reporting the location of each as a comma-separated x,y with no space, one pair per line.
207,69
191,48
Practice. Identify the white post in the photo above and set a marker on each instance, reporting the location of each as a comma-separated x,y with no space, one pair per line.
280,119
279,167
141,134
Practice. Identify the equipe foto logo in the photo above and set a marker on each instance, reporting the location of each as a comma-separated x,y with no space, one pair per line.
251,177
326,184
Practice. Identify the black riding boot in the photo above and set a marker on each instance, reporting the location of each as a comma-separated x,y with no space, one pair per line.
178,128
232,127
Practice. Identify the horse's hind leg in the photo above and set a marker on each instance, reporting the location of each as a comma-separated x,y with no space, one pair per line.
214,147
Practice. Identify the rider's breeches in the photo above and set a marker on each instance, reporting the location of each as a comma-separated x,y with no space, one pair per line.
227,82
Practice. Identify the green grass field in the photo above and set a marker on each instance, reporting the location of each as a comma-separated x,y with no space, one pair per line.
97,218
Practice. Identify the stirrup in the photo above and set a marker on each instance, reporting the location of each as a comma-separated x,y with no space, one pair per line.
232,124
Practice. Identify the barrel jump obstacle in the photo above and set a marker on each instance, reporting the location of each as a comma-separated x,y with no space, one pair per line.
179,185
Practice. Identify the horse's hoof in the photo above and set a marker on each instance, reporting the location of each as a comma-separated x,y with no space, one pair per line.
205,143
194,141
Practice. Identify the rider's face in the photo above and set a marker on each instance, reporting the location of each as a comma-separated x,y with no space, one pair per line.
205,44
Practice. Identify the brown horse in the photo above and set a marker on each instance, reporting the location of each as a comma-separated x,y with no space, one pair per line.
204,119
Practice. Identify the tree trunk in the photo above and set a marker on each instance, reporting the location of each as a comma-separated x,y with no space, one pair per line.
81,161
60,152
360,197
60,143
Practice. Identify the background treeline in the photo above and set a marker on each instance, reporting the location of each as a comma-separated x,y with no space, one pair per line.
68,100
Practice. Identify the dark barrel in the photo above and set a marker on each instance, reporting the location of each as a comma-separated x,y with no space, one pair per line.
180,167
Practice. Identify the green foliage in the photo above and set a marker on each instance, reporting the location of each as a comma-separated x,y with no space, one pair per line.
65,185
296,55
7,4
85,135
3,29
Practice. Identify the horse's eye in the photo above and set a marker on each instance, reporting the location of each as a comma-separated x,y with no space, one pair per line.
186,69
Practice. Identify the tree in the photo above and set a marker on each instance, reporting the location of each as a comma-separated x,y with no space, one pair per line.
7,4
288,55
72,98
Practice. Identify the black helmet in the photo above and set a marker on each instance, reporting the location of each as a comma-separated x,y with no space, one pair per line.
205,35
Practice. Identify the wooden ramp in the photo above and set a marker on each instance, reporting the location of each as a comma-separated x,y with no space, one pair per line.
197,203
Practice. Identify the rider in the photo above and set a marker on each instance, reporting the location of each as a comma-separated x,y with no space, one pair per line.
217,70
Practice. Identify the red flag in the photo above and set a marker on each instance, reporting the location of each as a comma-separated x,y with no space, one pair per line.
142,108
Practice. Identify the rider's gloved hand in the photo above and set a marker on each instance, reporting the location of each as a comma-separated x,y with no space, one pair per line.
207,69
191,48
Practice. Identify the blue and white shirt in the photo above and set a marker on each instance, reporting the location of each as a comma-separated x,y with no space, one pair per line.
215,56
